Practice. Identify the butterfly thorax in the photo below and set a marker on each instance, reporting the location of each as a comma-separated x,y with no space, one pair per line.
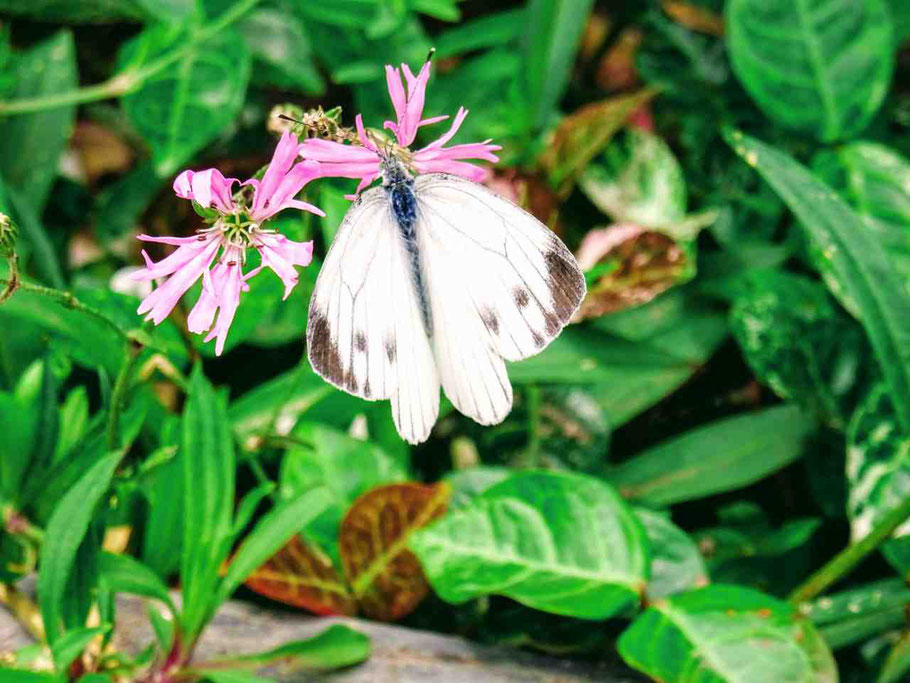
399,186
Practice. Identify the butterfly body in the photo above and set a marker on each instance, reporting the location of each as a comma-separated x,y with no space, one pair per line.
433,283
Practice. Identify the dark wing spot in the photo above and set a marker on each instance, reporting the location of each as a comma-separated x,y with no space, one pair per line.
350,382
367,392
521,297
565,282
552,323
323,352
538,340
360,341
391,350
491,320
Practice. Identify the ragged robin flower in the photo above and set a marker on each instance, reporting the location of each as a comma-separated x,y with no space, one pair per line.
236,220
364,160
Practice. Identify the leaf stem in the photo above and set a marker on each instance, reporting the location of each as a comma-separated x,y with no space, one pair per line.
69,300
847,559
131,79
118,396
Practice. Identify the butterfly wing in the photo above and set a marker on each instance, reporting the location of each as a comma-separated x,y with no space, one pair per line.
365,333
501,284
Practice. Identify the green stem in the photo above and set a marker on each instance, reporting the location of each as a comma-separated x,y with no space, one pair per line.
68,300
13,283
129,80
118,397
847,559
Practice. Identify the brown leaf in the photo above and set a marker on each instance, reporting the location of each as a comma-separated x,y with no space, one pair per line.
637,264
100,150
617,69
693,17
582,135
298,576
384,575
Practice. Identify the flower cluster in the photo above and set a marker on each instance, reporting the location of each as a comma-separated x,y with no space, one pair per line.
236,216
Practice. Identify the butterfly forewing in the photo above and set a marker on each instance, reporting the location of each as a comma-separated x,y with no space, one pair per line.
365,333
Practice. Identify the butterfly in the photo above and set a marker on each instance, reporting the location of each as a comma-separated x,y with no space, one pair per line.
433,282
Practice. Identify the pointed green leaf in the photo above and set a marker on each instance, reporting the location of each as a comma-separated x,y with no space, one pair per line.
125,574
71,644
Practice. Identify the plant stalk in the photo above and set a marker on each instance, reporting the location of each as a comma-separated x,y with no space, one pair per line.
842,563
130,80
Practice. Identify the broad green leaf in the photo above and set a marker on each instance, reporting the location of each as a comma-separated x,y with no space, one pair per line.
34,142
272,532
818,66
119,206
557,542
722,456
676,564
17,424
873,179
554,32
854,615
798,342
637,180
65,531
856,257
726,634
71,644
467,484
163,526
345,466
878,472
207,457
485,31
281,50
74,417
34,242
183,108
87,339
125,574
24,676
336,647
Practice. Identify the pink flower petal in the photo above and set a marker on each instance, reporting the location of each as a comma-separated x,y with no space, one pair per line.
176,241
202,187
287,189
203,314
169,264
282,160
456,124
161,302
362,134
229,300
396,90
462,168
335,152
183,185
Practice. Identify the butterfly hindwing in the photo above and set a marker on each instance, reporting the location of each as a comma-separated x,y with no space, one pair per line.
365,333
502,286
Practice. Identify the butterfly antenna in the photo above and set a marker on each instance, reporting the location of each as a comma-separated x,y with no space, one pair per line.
431,53
291,118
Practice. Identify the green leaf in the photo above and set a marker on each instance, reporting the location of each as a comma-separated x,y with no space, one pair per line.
70,645
819,66
676,564
873,179
856,614
32,236
34,142
726,634
23,676
119,206
207,457
878,472
467,484
557,542
857,260
345,466
88,340
125,574
336,647
798,342
722,456
487,31
74,417
17,424
184,107
897,665
67,527
554,32
637,180
278,42
272,532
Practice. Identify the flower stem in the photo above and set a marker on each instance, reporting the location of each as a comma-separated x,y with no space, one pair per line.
67,300
847,559
11,285
128,80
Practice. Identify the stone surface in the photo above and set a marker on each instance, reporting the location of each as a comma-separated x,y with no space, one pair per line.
400,655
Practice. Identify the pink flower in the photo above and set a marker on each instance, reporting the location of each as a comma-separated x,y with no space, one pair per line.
365,161
236,225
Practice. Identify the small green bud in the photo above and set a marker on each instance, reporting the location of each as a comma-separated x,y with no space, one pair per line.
9,231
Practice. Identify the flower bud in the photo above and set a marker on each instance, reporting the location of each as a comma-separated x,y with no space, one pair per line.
9,231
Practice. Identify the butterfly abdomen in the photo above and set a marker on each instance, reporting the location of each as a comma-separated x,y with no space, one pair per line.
404,208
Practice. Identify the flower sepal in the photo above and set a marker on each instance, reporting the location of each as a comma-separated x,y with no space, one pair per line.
209,213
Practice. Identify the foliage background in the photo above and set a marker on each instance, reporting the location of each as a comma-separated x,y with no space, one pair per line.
709,476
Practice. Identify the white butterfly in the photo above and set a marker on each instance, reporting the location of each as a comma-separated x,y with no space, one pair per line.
436,281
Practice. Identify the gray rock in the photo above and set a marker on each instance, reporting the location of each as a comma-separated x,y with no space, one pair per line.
400,655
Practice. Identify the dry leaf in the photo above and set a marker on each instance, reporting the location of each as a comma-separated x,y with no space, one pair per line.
384,575
298,576
693,17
